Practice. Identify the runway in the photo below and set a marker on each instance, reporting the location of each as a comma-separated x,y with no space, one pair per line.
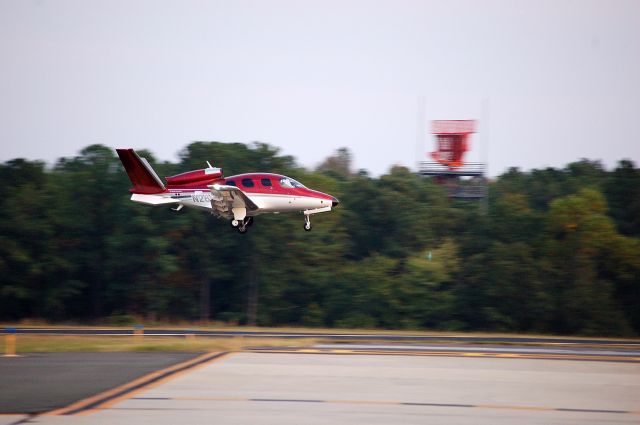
325,388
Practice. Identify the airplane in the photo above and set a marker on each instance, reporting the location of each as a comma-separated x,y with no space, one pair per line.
237,198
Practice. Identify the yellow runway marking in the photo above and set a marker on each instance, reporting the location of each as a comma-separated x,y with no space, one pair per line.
91,404
155,383
539,356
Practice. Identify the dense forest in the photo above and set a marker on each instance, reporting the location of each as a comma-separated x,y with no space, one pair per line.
550,250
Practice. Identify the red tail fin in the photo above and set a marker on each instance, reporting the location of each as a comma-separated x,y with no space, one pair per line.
144,179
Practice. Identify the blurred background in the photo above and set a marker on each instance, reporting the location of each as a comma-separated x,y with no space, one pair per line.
339,96
553,250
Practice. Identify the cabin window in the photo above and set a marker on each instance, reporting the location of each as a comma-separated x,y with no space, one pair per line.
266,182
231,183
247,182
290,183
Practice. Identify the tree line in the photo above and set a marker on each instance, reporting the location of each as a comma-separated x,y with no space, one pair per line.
550,250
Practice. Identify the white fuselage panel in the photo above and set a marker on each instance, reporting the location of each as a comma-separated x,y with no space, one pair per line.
267,203
285,203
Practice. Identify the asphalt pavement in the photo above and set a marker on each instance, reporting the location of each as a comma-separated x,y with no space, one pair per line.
40,382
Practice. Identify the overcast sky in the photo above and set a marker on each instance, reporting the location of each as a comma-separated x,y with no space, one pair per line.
550,81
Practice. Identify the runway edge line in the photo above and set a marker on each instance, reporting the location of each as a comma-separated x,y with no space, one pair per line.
364,352
113,395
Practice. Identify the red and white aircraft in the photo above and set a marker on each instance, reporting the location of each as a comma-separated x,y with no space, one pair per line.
236,198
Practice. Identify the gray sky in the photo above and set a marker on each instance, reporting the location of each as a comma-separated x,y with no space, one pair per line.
561,78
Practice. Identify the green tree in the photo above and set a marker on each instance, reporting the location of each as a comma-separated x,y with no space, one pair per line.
583,236
622,190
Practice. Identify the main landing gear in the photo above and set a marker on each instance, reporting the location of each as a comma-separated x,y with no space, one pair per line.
242,225
307,223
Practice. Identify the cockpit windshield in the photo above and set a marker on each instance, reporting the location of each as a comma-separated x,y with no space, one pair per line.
290,183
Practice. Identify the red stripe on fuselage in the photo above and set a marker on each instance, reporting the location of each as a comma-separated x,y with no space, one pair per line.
258,187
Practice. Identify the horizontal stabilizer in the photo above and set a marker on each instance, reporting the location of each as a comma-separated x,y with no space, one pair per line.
152,199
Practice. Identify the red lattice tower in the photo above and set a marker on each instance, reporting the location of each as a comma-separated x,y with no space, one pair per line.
464,180
452,141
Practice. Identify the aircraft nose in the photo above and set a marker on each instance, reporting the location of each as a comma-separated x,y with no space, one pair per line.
334,201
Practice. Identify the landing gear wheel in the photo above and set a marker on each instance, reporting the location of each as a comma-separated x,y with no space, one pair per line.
307,223
244,225
234,223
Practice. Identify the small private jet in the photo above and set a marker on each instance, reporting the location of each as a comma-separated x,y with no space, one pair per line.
236,198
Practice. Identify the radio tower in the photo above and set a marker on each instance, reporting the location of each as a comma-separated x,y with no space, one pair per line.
464,180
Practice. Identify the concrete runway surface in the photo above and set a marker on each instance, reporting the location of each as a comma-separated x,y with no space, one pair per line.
287,388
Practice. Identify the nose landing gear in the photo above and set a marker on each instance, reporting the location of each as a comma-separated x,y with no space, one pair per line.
242,225
307,223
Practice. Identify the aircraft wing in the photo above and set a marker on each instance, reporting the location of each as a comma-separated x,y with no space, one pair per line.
225,198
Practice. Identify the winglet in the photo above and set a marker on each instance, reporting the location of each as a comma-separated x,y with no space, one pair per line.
142,176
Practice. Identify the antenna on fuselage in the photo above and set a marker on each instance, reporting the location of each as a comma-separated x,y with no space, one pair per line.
210,166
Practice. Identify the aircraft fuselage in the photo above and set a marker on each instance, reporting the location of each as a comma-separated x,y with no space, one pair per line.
237,198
